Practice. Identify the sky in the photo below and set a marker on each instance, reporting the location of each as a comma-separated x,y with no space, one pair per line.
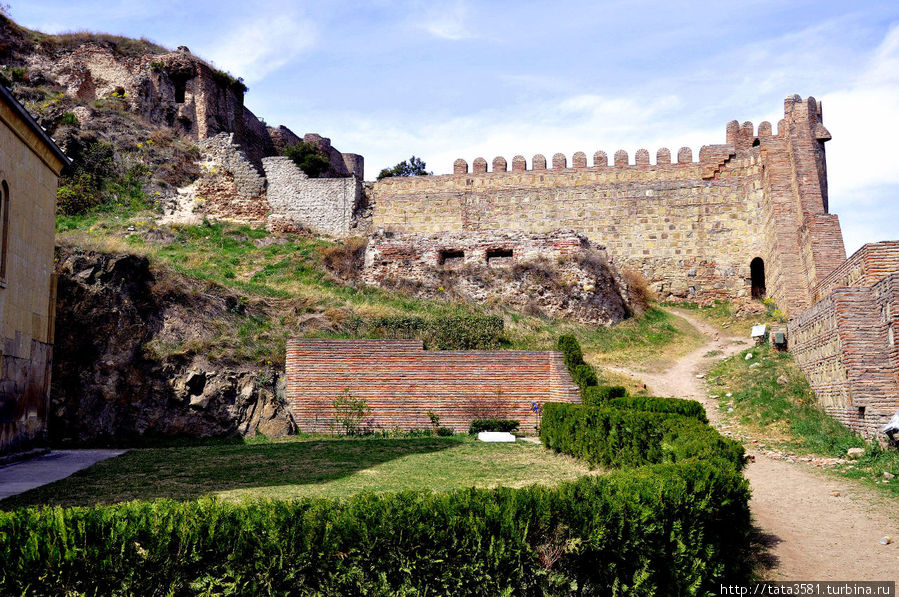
447,79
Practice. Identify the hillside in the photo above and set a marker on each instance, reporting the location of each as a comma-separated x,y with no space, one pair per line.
174,329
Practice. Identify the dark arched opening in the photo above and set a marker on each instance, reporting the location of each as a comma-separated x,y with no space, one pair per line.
757,273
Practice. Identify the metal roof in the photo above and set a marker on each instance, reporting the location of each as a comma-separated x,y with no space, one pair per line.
32,124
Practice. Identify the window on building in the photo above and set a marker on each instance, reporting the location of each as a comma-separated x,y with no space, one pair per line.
4,228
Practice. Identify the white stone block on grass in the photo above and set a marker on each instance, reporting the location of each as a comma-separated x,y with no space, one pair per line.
495,436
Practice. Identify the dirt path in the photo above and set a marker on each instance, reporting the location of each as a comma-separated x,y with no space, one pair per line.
812,534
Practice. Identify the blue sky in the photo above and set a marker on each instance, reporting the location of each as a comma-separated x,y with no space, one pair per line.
452,79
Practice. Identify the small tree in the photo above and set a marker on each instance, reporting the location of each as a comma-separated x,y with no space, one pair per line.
412,167
350,413
309,158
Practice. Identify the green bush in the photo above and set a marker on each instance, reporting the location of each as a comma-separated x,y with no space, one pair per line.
309,158
612,437
506,425
69,118
600,395
667,529
445,431
688,408
458,332
584,376
571,349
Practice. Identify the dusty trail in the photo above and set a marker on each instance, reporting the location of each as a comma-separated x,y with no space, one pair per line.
812,534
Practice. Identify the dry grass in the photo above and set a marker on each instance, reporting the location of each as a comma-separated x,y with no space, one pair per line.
638,290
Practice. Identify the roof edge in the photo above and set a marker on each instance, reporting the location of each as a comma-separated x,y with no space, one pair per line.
34,126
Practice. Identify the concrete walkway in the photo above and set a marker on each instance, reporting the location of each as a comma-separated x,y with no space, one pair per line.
21,476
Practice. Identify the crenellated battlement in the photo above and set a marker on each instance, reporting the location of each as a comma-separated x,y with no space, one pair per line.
690,221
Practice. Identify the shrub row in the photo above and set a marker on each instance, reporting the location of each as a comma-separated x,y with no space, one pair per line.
666,529
599,395
505,425
583,374
632,438
457,332
688,408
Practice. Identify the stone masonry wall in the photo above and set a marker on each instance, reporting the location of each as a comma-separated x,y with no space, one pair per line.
691,228
401,382
560,274
846,342
326,205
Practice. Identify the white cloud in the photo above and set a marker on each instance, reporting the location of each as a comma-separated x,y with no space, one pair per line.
446,20
256,47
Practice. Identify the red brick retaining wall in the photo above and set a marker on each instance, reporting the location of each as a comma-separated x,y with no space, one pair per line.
402,382
846,343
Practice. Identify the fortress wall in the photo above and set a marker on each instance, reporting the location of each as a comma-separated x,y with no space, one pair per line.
402,382
691,228
325,205
863,269
846,343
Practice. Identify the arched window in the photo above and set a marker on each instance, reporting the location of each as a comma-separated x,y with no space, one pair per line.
4,228
757,272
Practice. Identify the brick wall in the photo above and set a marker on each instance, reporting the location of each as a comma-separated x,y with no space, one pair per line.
846,343
691,228
401,382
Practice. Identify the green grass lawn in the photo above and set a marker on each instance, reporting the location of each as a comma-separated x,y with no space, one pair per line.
306,468
789,416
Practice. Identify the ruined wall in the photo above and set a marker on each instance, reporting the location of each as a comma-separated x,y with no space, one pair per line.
846,342
326,205
691,228
401,382
559,274
341,164
28,179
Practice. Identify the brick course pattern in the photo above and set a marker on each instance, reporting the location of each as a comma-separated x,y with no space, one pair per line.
402,382
846,343
691,228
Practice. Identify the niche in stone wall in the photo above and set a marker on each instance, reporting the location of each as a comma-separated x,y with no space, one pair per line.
757,274
451,257
499,256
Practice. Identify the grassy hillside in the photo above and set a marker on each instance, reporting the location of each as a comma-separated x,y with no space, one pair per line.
294,285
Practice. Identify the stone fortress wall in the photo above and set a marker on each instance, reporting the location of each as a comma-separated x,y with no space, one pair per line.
692,228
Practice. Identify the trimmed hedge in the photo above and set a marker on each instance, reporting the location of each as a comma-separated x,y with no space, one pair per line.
688,408
662,530
584,376
455,332
612,437
506,425
571,349
600,395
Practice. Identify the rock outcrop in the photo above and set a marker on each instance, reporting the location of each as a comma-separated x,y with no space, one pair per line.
109,384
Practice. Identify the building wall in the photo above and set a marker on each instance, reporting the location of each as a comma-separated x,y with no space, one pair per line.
402,382
692,228
326,205
27,299
846,343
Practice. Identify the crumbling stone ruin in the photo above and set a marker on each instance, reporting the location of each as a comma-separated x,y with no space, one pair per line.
558,273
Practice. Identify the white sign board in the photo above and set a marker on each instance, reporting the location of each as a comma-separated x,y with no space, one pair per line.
495,436
758,330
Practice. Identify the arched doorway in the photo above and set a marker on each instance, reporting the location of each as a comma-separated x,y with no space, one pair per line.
757,273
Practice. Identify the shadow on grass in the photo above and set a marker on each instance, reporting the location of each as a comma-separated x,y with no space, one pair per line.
185,473
761,559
